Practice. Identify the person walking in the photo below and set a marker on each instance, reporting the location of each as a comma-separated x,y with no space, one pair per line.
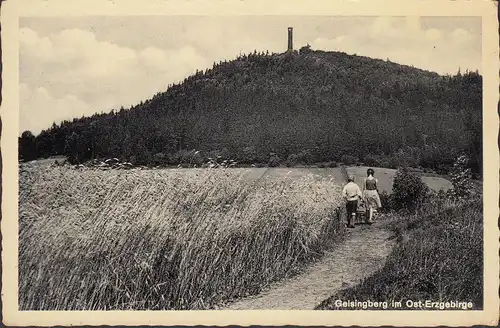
370,194
351,194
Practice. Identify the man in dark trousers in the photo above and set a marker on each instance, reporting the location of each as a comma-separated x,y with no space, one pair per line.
351,194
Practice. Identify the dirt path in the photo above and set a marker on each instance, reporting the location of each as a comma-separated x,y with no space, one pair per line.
357,257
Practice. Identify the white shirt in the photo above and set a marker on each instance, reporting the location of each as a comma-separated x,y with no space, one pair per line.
351,191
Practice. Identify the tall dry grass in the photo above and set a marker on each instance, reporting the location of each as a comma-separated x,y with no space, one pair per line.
162,239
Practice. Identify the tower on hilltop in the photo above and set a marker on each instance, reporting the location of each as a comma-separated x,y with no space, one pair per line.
290,39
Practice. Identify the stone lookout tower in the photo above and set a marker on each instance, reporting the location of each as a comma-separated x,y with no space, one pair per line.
290,39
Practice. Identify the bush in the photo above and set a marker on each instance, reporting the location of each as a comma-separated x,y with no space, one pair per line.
186,157
385,163
249,155
371,160
305,157
461,176
274,161
437,158
349,159
385,200
409,191
331,164
159,159
292,160
305,49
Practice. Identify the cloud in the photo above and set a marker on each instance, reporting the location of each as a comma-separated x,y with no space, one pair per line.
75,70
154,58
433,34
40,109
461,36
405,41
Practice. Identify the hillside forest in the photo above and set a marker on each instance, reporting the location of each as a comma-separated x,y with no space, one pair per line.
297,108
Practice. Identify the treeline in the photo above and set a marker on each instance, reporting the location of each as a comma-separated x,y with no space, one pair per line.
301,107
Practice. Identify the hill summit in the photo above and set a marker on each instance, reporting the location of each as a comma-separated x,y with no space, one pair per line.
301,106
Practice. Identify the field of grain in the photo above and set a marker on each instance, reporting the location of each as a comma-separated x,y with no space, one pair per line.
166,239
386,177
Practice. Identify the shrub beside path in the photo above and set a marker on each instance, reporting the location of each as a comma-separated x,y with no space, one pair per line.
357,257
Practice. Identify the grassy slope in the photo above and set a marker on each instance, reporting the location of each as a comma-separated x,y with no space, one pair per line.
439,257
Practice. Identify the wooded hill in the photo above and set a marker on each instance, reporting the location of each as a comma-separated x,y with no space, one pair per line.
300,107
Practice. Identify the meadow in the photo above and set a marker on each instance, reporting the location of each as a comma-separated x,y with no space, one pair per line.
386,177
93,239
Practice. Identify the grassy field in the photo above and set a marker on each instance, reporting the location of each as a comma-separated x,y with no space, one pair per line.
386,177
166,239
439,257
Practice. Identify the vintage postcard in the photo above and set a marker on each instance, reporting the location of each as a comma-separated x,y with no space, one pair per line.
250,163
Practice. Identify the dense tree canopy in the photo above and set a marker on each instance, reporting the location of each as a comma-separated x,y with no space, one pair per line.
326,105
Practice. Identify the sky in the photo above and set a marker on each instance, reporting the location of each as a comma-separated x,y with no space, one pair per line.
70,67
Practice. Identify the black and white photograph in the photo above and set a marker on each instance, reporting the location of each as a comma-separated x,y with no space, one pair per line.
299,162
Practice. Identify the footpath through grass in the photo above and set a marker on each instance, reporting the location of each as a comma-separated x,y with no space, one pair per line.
439,258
